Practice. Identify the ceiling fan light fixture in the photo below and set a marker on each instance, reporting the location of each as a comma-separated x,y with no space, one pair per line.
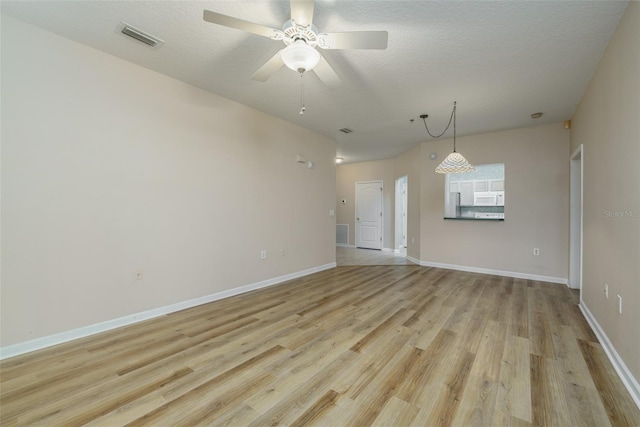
300,56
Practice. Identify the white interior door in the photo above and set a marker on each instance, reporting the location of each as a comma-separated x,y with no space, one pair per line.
369,214
405,198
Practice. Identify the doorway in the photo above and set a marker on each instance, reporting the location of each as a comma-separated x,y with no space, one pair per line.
402,192
575,220
369,215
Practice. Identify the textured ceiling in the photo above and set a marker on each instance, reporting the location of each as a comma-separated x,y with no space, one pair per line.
501,61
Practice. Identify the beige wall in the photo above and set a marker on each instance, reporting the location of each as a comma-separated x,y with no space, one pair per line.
409,165
607,124
536,204
108,167
346,178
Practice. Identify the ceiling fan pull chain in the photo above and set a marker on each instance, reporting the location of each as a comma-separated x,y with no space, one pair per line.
303,108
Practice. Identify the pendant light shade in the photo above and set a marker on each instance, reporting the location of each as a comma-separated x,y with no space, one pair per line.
300,56
455,163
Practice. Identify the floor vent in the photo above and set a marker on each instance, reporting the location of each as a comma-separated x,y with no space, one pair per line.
346,130
342,234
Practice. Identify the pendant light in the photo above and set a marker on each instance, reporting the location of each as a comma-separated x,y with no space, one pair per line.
455,162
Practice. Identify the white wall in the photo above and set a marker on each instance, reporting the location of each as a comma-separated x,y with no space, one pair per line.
607,124
108,167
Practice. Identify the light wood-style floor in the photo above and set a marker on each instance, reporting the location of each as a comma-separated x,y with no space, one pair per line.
357,256
350,346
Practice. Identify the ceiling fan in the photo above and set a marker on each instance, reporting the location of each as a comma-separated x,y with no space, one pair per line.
301,38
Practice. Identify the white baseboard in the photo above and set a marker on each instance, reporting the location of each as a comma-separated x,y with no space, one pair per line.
387,250
514,274
414,260
625,375
342,245
62,337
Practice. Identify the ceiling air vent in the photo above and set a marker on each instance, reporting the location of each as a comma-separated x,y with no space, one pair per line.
139,35
346,130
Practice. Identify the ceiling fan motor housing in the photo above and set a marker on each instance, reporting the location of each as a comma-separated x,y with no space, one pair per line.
294,32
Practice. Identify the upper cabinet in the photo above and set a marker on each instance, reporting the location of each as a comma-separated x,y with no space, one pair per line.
481,185
496,185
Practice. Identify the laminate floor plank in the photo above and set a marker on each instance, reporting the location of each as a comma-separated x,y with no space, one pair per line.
396,412
514,385
619,406
478,403
567,353
372,363
585,407
303,397
383,345
377,393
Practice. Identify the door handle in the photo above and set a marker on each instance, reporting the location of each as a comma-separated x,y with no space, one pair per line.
358,219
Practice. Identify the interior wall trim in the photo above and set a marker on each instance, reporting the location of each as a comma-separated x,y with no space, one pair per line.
560,280
414,260
627,378
96,328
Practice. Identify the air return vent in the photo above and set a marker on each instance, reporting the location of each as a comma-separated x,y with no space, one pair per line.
139,35
342,234
346,130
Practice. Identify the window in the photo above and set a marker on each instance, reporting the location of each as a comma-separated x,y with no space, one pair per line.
475,195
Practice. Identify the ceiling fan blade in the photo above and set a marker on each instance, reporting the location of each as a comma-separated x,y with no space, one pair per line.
354,40
239,24
302,11
326,74
268,69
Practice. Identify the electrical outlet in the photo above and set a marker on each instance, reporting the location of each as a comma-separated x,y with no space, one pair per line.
263,254
619,304
332,212
138,274
536,251
606,291
413,240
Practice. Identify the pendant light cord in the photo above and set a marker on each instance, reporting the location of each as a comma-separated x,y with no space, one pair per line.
452,118
454,126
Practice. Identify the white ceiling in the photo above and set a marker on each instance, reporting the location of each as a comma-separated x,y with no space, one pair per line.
501,61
